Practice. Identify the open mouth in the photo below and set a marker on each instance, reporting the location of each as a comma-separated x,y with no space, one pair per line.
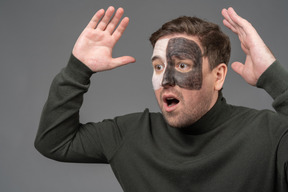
171,101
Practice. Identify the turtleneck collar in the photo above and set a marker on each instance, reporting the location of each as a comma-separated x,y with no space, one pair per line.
214,117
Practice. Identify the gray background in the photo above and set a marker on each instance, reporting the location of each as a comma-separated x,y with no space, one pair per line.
36,39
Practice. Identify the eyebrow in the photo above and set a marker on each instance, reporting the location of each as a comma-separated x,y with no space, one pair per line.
181,56
155,58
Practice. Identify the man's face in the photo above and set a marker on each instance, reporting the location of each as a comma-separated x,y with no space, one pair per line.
182,80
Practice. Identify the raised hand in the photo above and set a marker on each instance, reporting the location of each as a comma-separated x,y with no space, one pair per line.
258,55
95,44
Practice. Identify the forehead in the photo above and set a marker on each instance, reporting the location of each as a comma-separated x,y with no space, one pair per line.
160,48
161,44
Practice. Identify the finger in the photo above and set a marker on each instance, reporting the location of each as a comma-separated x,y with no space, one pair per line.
115,20
226,16
106,18
228,25
119,61
245,48
241,23
237,67
245,28
121,28
235,18
95,19
229,22
235,23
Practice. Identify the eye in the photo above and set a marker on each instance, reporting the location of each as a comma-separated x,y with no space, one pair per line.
183,66
158,67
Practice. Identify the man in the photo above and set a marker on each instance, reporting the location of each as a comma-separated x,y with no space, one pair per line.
199,142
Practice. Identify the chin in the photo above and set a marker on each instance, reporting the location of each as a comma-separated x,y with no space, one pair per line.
178,122
179,125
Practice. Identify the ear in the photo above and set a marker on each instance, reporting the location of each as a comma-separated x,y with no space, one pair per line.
220,74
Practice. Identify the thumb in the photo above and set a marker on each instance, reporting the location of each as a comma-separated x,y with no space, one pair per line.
238,67
124,60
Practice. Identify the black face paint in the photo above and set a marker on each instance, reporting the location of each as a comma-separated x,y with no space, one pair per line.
182,48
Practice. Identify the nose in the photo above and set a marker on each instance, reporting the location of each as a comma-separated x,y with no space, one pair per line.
168,80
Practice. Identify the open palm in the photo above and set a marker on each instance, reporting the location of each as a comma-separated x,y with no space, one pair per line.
258,55
95,44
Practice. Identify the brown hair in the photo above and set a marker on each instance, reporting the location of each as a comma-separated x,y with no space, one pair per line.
215,43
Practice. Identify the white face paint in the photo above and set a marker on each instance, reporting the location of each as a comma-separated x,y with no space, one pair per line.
160,53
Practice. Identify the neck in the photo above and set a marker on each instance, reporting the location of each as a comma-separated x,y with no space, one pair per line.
216,115
214,99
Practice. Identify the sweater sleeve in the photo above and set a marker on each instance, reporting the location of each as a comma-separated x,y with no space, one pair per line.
275,81
282,163
60,135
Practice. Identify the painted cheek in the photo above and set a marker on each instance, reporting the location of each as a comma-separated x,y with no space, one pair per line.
187,49
191,80
159,52
156,80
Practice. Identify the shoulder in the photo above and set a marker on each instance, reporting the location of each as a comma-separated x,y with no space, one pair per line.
259,121
250,114
138,115
134,119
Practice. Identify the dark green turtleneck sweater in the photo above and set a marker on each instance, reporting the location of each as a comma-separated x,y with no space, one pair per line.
229,149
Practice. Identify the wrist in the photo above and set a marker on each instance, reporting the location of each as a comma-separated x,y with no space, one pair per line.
78,70
274,80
